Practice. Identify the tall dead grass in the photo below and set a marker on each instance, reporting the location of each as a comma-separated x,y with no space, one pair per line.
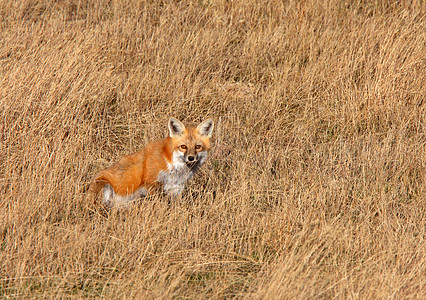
315,187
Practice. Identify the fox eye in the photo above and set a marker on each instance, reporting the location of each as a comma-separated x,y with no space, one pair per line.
197,147
183,147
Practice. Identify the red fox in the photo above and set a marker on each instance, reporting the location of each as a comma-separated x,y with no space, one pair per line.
169,162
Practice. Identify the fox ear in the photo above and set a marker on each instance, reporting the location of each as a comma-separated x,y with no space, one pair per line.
176,128
206,128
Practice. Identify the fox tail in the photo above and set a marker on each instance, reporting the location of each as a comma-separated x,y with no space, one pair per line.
96,186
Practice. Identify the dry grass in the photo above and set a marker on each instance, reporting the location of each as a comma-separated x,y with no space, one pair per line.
315,187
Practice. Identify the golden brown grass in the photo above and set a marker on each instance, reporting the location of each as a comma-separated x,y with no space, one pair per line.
315,187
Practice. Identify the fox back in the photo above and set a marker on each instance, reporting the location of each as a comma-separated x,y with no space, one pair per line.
168,162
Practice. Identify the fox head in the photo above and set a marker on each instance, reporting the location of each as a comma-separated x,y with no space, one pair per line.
190,145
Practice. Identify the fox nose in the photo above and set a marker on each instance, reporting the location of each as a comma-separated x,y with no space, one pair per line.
191,158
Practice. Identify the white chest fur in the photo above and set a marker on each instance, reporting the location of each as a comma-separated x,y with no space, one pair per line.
179,173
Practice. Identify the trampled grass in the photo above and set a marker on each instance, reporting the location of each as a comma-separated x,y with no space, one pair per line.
314,188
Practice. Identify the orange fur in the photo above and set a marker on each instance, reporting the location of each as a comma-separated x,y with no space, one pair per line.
158,162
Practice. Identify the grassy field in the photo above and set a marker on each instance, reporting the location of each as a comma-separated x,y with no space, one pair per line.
315,187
